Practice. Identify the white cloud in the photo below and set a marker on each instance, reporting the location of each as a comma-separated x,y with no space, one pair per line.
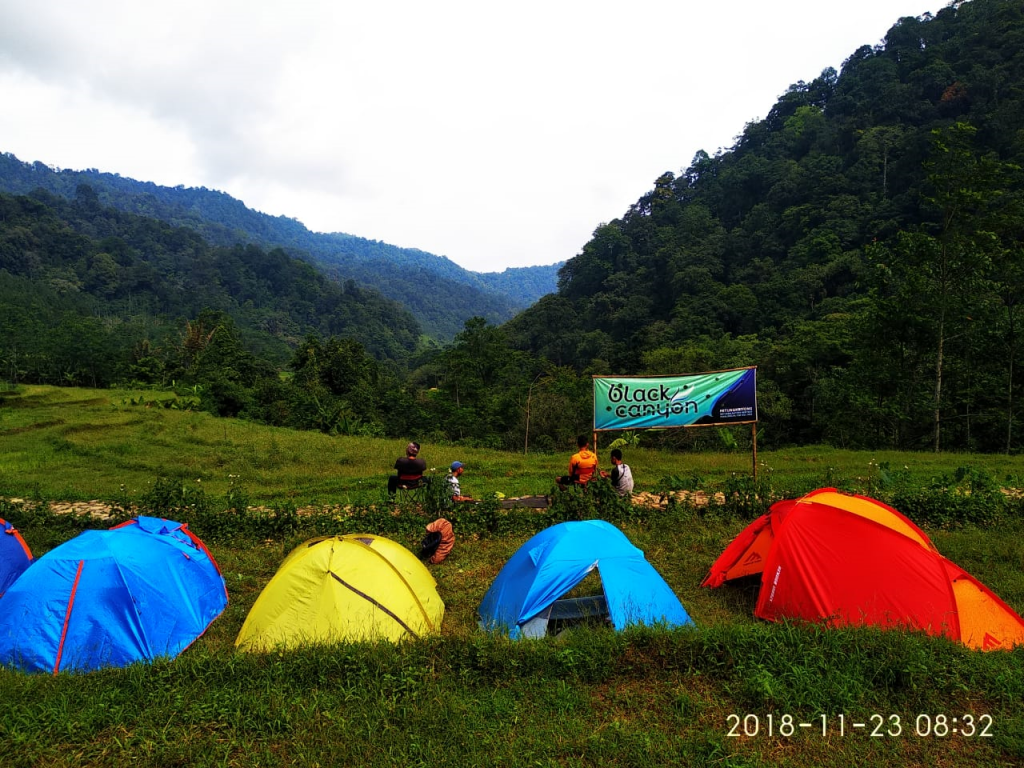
498,135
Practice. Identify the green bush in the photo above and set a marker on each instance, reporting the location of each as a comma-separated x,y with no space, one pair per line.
965,497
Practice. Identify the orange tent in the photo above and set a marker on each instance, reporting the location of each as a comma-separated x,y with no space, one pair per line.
852,560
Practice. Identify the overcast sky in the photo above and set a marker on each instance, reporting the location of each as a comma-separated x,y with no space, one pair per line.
494,133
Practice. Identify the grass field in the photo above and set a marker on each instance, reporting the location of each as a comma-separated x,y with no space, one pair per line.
587,698
78,444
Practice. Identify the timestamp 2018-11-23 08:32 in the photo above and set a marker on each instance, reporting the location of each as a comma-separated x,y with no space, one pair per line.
875,725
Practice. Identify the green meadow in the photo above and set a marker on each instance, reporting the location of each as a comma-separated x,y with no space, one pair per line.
79,444
733,691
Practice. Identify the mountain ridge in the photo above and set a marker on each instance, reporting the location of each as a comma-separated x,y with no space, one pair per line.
441,294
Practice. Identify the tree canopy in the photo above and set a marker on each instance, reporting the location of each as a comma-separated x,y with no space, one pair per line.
864,237
861,245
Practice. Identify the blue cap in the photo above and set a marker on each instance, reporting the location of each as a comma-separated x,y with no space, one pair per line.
456,465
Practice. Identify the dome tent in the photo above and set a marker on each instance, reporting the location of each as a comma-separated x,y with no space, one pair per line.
852,560
524,596
137,592
344,588
15,556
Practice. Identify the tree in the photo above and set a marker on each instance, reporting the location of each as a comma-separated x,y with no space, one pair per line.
955,256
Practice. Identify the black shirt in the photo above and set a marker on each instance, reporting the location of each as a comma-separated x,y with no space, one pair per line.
409,467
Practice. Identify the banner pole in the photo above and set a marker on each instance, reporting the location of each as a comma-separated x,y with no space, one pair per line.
753,444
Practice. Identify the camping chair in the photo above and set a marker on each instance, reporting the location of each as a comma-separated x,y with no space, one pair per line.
576,482
411,487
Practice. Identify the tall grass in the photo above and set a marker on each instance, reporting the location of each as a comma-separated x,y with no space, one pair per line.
588,697
643,697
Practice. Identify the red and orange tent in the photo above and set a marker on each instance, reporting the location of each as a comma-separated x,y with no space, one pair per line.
852,560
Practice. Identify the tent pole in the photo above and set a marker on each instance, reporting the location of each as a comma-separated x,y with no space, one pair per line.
753,444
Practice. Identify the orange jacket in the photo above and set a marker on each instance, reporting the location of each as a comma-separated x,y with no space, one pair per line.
582,465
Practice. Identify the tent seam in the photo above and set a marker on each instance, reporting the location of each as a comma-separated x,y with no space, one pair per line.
67,616
373,602
398,573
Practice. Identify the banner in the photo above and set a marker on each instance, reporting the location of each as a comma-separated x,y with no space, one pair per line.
665,402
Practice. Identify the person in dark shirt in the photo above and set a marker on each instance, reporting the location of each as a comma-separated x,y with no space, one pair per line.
410,469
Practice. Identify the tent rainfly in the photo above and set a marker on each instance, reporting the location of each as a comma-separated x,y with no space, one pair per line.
851,560
137,592
344,589
15,556
524,596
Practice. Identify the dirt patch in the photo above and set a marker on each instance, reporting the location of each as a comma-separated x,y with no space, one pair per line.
102,511
697,498
96,509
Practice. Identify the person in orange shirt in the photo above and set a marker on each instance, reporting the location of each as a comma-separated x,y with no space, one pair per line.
582,465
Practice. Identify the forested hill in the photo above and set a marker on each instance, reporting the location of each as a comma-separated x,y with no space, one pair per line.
441,294
86,290
862,245
527,283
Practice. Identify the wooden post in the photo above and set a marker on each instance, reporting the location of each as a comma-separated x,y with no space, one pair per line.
753,443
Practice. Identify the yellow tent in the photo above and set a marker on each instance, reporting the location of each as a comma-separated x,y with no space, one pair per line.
344,589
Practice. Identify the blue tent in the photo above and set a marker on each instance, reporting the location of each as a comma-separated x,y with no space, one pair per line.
525,595
137,592
15,556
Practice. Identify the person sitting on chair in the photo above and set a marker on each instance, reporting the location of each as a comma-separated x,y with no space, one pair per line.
582,465
410,469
